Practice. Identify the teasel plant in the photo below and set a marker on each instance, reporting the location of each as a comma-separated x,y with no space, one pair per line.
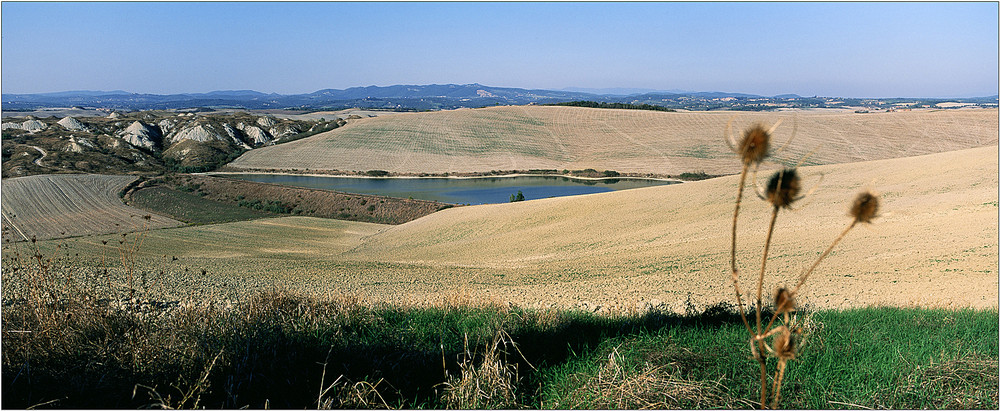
782,191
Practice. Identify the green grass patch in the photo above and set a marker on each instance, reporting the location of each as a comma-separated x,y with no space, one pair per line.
874,358
190,207
277,349
700,151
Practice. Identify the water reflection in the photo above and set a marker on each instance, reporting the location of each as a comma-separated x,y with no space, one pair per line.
478,190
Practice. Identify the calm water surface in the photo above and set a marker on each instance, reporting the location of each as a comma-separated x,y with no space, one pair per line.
480,190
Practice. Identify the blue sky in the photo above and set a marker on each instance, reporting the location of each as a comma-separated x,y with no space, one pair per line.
829,49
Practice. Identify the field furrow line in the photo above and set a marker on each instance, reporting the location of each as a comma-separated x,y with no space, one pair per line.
52,206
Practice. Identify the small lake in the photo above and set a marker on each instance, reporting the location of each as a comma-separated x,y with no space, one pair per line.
477,190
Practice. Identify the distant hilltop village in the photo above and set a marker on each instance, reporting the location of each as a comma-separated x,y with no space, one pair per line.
452,96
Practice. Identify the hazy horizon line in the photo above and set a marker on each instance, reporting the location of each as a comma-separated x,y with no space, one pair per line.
575,89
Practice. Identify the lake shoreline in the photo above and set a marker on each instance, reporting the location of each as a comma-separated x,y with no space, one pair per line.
490,189
456,177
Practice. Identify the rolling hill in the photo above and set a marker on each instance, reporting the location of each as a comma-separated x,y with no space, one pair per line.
933,246
635,141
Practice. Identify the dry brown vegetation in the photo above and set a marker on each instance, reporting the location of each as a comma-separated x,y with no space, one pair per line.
628,141
659,380
54,206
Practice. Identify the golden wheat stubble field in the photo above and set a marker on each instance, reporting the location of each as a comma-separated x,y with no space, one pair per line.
639,141
934,246
66,205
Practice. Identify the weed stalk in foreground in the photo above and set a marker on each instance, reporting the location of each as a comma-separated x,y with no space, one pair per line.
783,189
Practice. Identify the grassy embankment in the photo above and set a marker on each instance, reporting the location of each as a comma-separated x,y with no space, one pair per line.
68,346
284,350
191,208
206,200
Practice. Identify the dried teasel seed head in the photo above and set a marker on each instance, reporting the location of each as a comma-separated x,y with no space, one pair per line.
865,207
783,301
754,144
784,344
783,188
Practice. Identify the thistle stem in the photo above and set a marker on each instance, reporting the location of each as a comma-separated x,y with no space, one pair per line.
777,382
763,378
805,275
732,254
763,264
736,213
760,291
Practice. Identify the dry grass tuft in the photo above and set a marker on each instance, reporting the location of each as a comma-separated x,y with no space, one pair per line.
955,379
190,393
490,384
658,382
344,394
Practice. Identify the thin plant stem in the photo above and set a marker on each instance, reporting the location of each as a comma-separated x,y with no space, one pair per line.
802,279
763,377
763,264
805,275
732,255
777,382
760,291
736,213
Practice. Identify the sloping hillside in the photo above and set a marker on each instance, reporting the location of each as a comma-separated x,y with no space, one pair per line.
54,206
935,244
536,137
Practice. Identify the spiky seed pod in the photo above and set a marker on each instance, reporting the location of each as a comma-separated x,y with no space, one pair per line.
754,145
783,188
784,344
865,207
783,301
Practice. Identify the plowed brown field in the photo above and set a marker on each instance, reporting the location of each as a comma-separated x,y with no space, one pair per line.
541,137
65,205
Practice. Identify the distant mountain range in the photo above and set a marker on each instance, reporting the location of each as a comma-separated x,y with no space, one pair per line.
407,98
